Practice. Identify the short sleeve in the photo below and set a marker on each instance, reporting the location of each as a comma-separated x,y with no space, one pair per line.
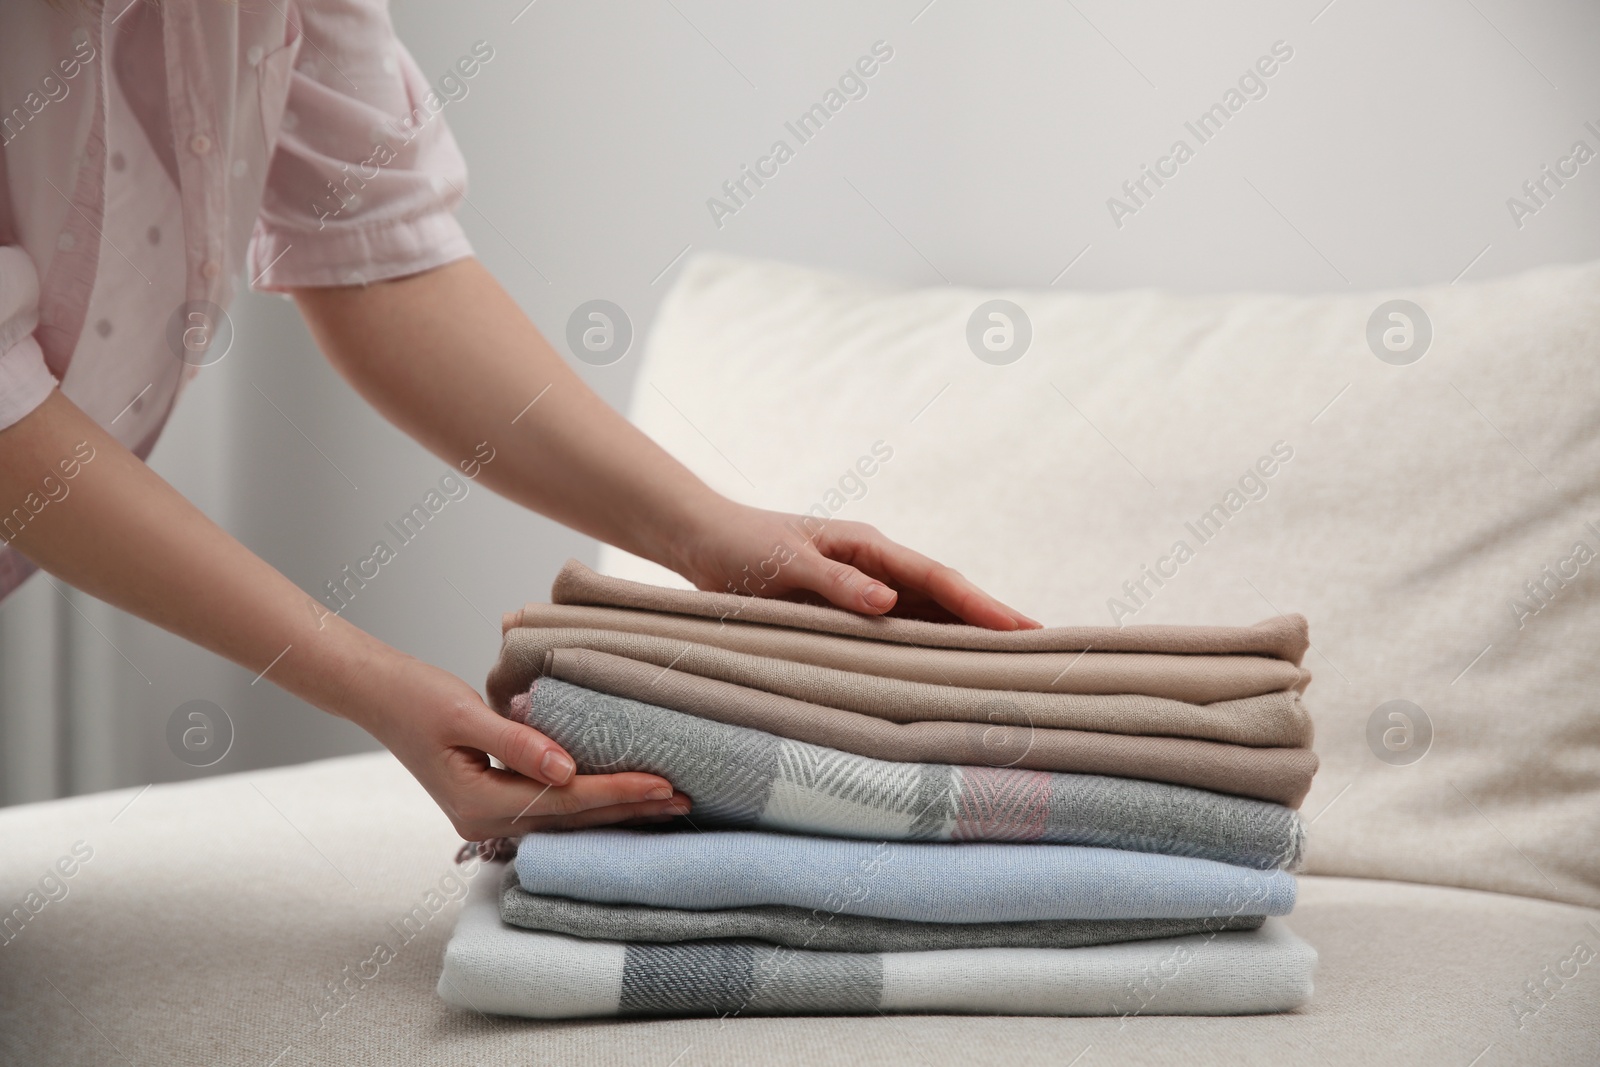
365,176
25,381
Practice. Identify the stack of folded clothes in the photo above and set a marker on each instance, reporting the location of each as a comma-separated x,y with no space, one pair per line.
897,815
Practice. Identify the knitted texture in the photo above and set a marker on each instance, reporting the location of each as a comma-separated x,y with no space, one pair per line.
742,777
494,968
1281,775
939,883
827,931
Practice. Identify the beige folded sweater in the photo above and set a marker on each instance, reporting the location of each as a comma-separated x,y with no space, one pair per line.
1281,775
1245,700
1195,677
1282,637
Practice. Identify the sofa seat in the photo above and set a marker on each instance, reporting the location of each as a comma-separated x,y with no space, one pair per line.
238,919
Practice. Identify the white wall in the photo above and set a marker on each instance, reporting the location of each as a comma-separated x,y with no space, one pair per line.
983,153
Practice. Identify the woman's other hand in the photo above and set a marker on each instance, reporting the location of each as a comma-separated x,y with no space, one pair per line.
444,734
849,564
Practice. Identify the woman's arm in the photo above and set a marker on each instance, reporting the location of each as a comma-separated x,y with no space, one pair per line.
451,359
124,535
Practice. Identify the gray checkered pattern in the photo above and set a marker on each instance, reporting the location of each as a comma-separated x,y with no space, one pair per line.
747,778
747,977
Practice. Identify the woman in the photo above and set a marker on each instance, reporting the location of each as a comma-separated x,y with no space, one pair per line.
151,154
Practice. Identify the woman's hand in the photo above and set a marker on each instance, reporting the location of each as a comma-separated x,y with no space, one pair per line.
173,566
439,351
438,727
849,564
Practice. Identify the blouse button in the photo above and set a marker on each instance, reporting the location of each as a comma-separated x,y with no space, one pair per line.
199,144
210,268
239,168
118,161
153,235
253,54
103,327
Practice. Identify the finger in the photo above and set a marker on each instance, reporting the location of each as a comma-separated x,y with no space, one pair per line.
519,747
955,592
505,794
841,584
912,571
637,814
523,749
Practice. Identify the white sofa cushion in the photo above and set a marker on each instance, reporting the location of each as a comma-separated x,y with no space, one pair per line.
238,920
1407,505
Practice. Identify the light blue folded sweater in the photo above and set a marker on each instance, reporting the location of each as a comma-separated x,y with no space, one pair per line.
949,883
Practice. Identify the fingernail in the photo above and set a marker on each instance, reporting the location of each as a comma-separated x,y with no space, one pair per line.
556,766
677,807
660,792
879,596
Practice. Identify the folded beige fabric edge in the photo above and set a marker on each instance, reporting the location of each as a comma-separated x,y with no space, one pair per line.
1283,636
1281,775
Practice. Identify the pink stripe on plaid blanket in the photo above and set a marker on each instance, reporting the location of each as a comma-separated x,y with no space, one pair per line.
995,804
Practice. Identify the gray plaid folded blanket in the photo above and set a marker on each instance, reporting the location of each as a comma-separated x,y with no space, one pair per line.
492,967
828,931
738,777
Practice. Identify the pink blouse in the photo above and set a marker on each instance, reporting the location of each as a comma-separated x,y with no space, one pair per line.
156,157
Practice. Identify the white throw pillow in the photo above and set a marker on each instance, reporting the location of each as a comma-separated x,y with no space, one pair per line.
1404,504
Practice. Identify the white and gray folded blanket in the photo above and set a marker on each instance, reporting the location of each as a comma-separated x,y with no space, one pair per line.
742,777
822,931
927,882
492,967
